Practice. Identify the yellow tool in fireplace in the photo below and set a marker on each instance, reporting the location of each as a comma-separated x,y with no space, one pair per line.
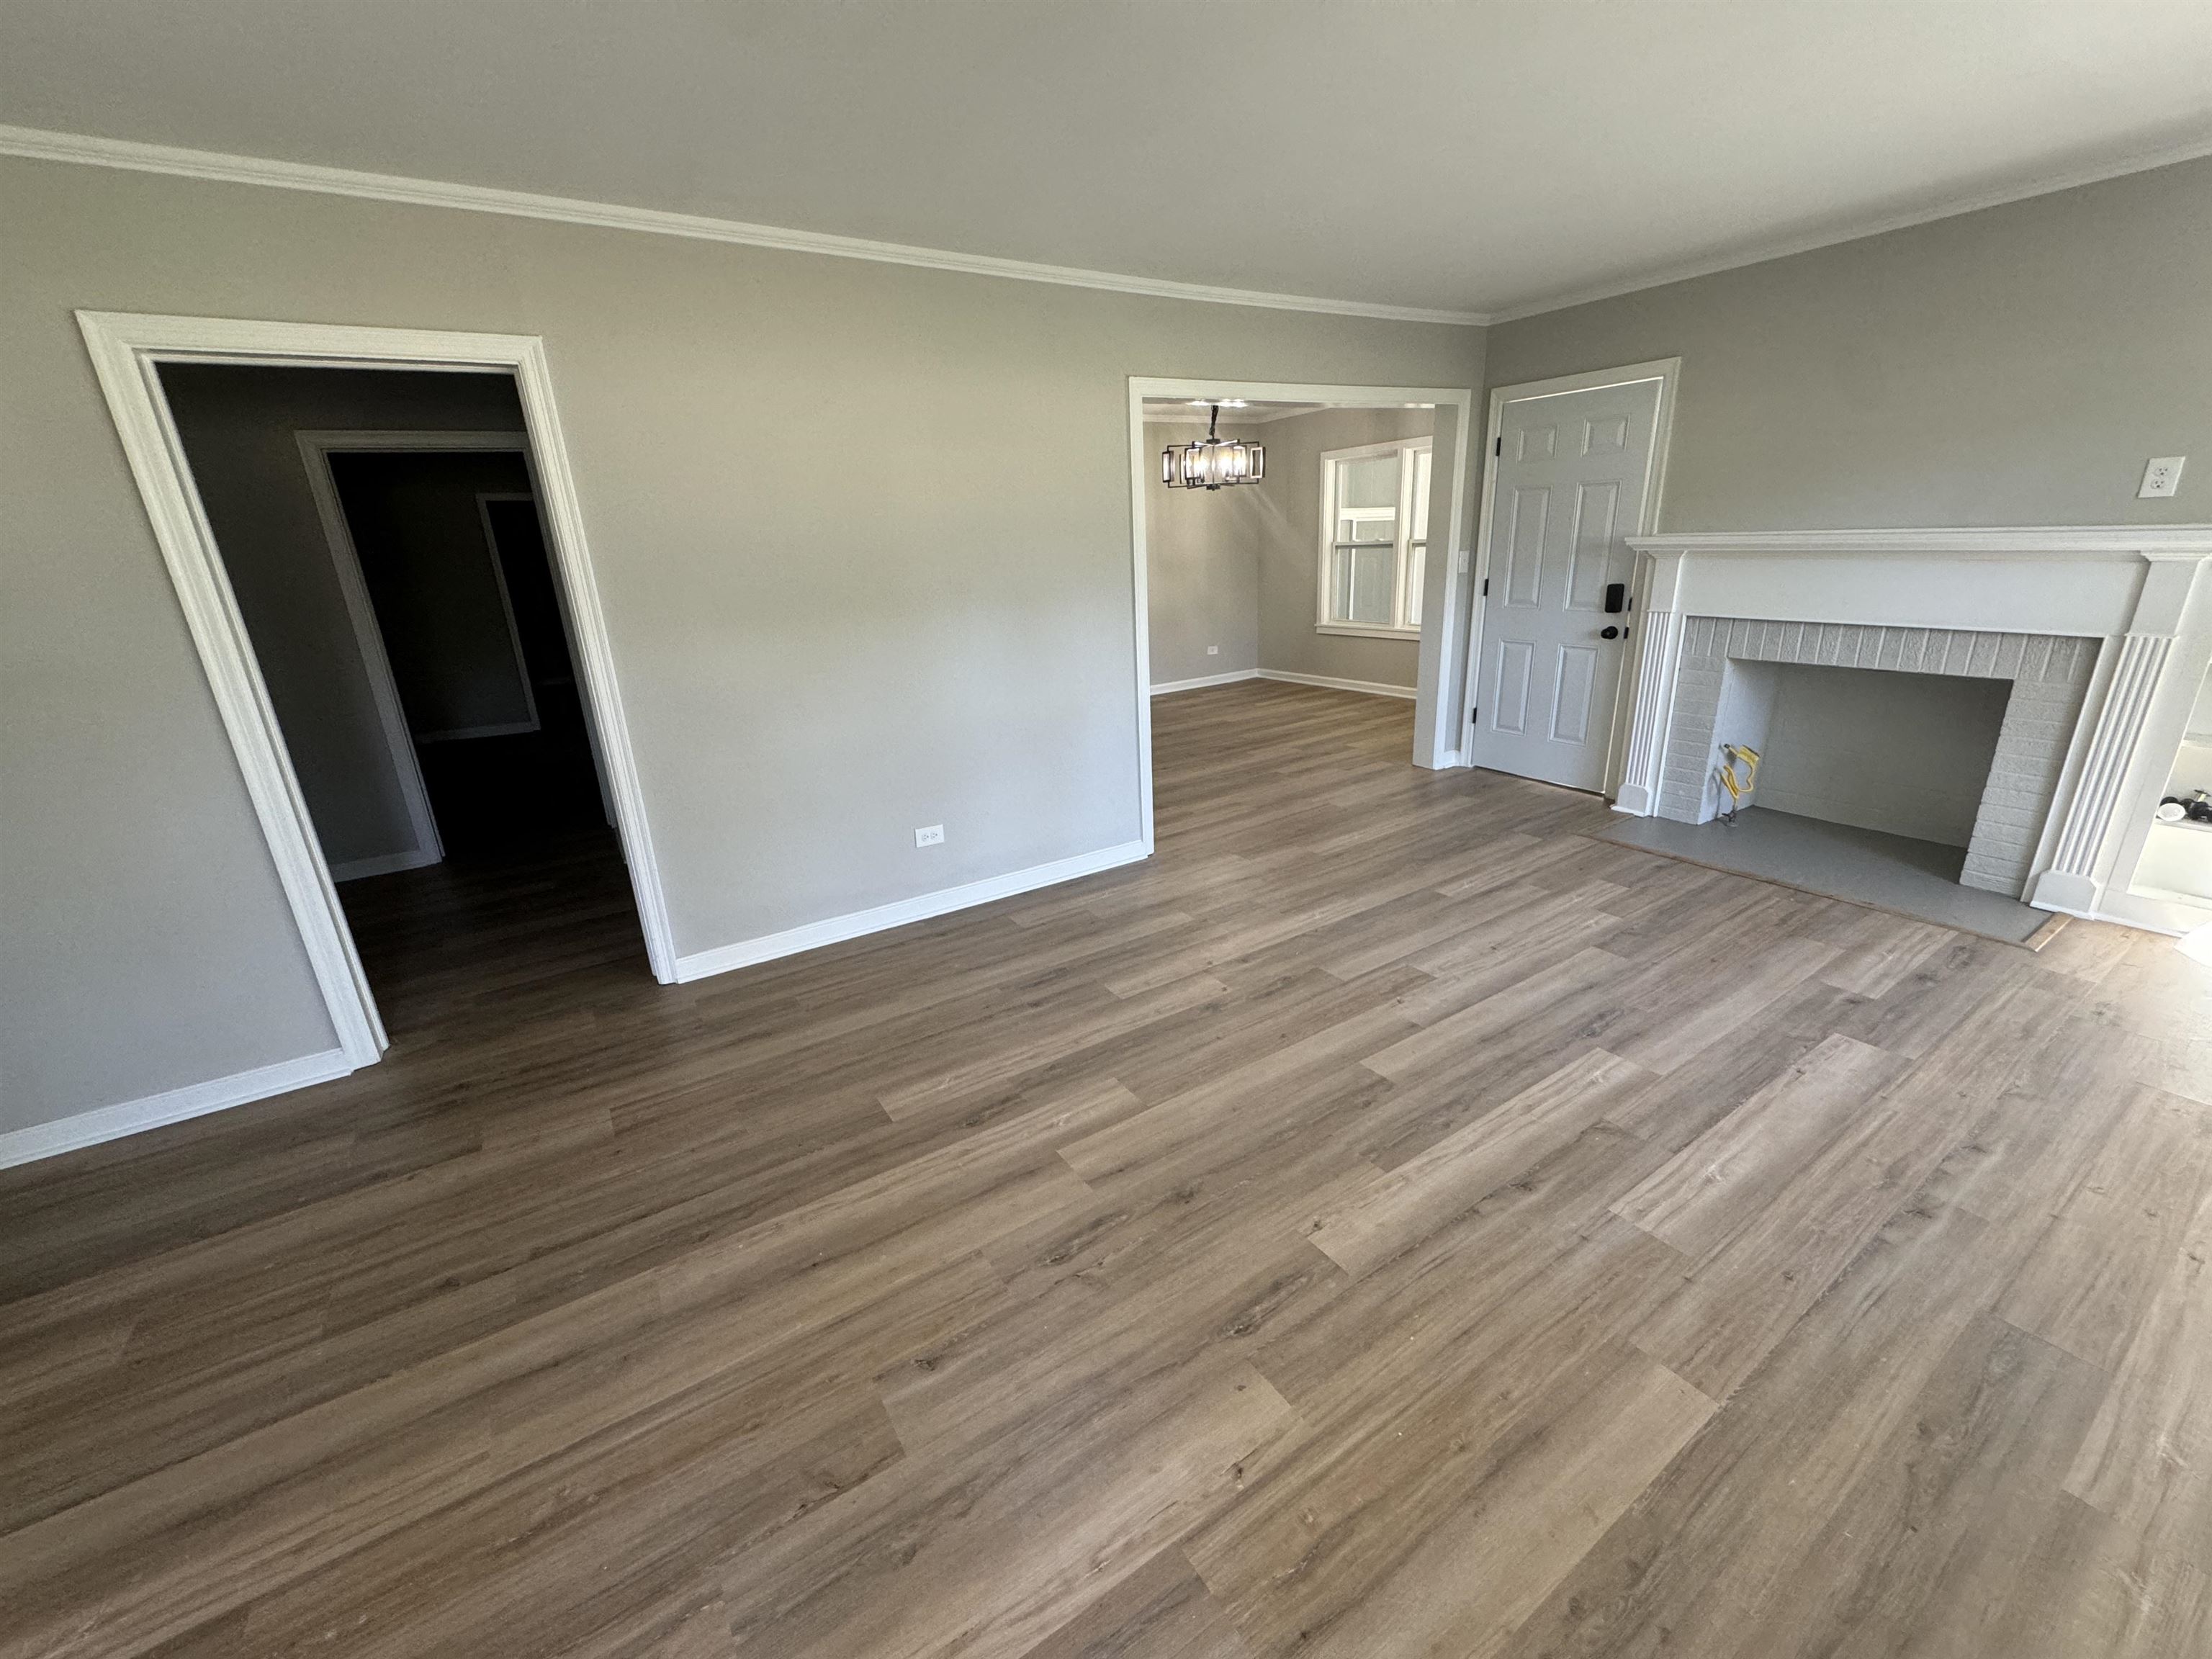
1733,754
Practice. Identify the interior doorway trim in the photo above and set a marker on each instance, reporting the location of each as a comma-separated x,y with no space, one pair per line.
1435,731
1667,371
126,350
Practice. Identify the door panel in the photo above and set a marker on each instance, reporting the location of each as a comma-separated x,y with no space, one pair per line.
1570,702
1590,566
1525,561
1512,698
1569,491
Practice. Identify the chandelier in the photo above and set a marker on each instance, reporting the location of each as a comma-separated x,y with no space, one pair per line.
1212,461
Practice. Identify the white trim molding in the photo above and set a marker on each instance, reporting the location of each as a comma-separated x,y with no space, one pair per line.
40,144
1370,688
131,1117
812,935
2069,883
216,166
2107,541
126,351
1402,538
1168,688
1330,683
1652,710
1758,253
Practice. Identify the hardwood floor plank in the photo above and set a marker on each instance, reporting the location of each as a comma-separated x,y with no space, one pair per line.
1161,1611
1947,1500
1394,1210
1727,1176
2146,1460
1523,1522
1330,1235
2109,1251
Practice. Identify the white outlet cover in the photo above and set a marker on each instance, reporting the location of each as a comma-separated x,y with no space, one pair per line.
1212,650
2161,476
931,835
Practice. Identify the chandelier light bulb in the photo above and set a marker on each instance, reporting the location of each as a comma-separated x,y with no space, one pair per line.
1212,462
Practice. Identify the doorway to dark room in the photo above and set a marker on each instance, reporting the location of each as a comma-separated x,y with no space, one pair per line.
384,537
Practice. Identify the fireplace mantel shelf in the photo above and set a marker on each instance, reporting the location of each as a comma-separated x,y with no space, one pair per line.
2155,542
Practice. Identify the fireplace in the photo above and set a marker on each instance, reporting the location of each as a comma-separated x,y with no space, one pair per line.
2028,674
1735,677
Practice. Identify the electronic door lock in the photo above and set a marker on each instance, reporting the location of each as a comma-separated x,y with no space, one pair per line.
1616,599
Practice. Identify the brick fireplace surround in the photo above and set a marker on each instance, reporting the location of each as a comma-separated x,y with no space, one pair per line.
2050,675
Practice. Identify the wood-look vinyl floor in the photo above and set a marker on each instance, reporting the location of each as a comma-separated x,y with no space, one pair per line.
1388,1223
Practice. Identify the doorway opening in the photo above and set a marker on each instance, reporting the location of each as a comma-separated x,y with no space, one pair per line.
1336,568
446,759
374,538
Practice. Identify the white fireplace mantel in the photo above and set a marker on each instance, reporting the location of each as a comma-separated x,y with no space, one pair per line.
2120,541
2138,589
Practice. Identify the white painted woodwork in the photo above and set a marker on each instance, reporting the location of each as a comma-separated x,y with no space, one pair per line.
1569,492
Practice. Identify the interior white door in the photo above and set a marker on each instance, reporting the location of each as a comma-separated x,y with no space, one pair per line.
1572,471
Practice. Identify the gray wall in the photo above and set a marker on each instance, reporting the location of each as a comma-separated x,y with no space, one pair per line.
1202,568
862,534
2014,366
1289,544
238,427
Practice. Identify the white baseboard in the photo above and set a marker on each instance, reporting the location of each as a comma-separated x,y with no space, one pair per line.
1166,686
2172,914
1371,688
384,864
194,1100
815,934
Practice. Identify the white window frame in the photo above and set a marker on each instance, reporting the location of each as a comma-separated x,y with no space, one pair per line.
1403,594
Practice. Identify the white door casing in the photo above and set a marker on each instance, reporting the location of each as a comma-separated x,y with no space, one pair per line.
125,349
1573,478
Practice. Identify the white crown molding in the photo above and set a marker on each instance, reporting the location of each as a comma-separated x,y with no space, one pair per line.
2153,542
39,144
1755,254
132,1117
36,144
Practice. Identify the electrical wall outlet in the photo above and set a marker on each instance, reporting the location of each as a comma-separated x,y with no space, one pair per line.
930,835
2161,476
1212,650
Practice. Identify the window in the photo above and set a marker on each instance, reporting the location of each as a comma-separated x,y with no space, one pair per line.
1373,539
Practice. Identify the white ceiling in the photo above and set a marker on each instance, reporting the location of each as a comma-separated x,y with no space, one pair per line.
1470,158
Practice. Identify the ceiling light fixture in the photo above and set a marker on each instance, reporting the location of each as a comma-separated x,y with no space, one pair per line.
1212,461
